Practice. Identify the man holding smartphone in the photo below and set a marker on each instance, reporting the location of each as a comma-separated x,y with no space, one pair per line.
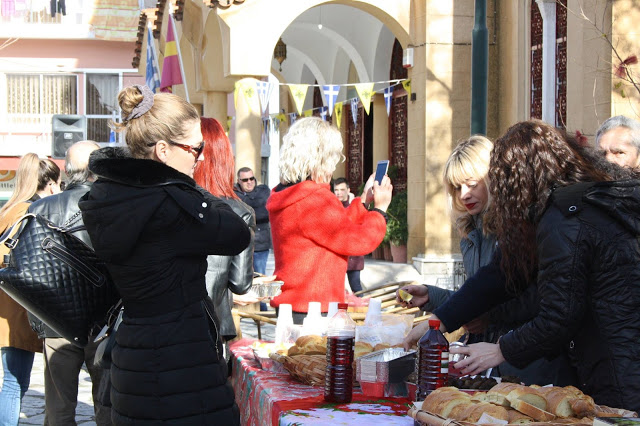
355,264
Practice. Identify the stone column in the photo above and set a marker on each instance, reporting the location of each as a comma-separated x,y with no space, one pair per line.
248,135
215,106
380,131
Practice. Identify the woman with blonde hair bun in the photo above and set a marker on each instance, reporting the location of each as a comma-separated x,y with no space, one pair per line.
154,228
313,234
35,179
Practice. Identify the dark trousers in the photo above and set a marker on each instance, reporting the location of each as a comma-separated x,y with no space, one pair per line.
354,280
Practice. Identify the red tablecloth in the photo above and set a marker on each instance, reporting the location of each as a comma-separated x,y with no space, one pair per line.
264,396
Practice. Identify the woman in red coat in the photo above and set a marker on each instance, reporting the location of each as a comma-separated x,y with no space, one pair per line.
313,234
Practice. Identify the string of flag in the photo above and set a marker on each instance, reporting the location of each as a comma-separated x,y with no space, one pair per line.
257,94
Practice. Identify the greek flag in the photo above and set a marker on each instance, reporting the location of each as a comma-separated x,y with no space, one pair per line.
331,94
264,91
387,98
354,110
153,77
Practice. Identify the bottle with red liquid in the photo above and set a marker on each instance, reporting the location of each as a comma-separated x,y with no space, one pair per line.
341,336
433,361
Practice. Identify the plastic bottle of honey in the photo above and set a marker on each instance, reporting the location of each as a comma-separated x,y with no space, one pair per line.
341,335
433,361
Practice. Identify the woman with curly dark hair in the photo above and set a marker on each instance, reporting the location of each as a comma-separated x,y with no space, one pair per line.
568,221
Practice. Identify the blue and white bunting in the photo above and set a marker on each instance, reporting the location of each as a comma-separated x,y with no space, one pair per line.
331,95
152,75
264,92
292,118
388,92
354,110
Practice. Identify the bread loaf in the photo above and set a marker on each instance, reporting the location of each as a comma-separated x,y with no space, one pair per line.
443,400
473,412
516,417
309,345
362,348
532,411
568,401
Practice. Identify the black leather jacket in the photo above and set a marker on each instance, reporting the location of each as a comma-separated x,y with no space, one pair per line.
589,290
59,208
231,274
257,200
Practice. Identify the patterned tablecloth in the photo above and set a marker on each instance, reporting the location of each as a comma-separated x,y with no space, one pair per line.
272,399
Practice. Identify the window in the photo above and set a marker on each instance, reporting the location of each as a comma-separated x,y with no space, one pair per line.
33,98
101,104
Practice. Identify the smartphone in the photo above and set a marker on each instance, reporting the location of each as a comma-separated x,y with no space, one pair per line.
381,170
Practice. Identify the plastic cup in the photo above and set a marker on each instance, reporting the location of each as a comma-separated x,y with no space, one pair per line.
333,308
285,312
314,310
374,312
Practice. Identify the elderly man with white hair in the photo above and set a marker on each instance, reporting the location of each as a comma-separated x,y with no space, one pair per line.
619,139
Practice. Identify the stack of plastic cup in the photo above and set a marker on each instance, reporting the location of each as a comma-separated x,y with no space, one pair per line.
374,315
285,319
333,308
314,322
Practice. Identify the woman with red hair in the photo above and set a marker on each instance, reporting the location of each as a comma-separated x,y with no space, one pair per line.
224,273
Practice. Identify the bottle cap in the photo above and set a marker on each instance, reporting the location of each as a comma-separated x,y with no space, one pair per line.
434,323
344,306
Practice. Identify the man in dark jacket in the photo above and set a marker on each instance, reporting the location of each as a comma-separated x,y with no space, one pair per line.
63,359
355,264
256,196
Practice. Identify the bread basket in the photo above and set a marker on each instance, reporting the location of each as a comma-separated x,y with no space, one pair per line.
308,369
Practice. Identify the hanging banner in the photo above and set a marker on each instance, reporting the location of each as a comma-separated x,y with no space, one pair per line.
365,91
338,112
292,118
323,113
264,92
247,88
354,110
388,92
308,113
299,92
331,95
282,117
229,120
407,86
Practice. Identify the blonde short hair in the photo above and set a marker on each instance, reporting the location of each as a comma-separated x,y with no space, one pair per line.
168,119
469,159
311,149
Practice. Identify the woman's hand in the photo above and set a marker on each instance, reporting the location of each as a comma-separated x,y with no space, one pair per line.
419,292
480,357
367,192
414,335
382,194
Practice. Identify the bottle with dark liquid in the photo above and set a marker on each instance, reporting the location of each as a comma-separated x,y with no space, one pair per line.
341,335
432,360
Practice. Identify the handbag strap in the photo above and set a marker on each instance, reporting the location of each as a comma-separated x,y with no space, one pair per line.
6,237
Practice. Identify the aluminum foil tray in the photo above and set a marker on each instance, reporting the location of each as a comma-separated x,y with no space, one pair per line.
391,365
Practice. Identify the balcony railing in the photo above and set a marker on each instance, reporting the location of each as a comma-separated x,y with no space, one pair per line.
78,12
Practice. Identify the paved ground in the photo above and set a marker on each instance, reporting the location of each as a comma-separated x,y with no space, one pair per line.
375,273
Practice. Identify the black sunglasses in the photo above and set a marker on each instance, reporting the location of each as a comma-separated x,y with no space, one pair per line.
245,180
196,150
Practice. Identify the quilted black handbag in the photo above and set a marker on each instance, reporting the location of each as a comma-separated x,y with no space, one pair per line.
57,277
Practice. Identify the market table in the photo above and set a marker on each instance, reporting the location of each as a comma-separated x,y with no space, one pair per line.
273,399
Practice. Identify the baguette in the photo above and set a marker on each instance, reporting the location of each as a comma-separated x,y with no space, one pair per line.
473,413
362,348
498,393
443,400
516,417
532,411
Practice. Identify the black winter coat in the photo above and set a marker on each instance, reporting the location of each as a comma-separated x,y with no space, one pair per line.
231,274
154,228
257,200
60,208
589,290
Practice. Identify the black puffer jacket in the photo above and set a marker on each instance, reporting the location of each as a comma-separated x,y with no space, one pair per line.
257,200
589,290
231,273
154,228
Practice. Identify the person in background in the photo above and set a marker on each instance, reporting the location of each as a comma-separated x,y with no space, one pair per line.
566,220
355,264
225,274
154,228
619,139
313,234
62,359
35,179
256,197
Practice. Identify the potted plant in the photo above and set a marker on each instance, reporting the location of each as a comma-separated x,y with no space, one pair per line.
397,227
